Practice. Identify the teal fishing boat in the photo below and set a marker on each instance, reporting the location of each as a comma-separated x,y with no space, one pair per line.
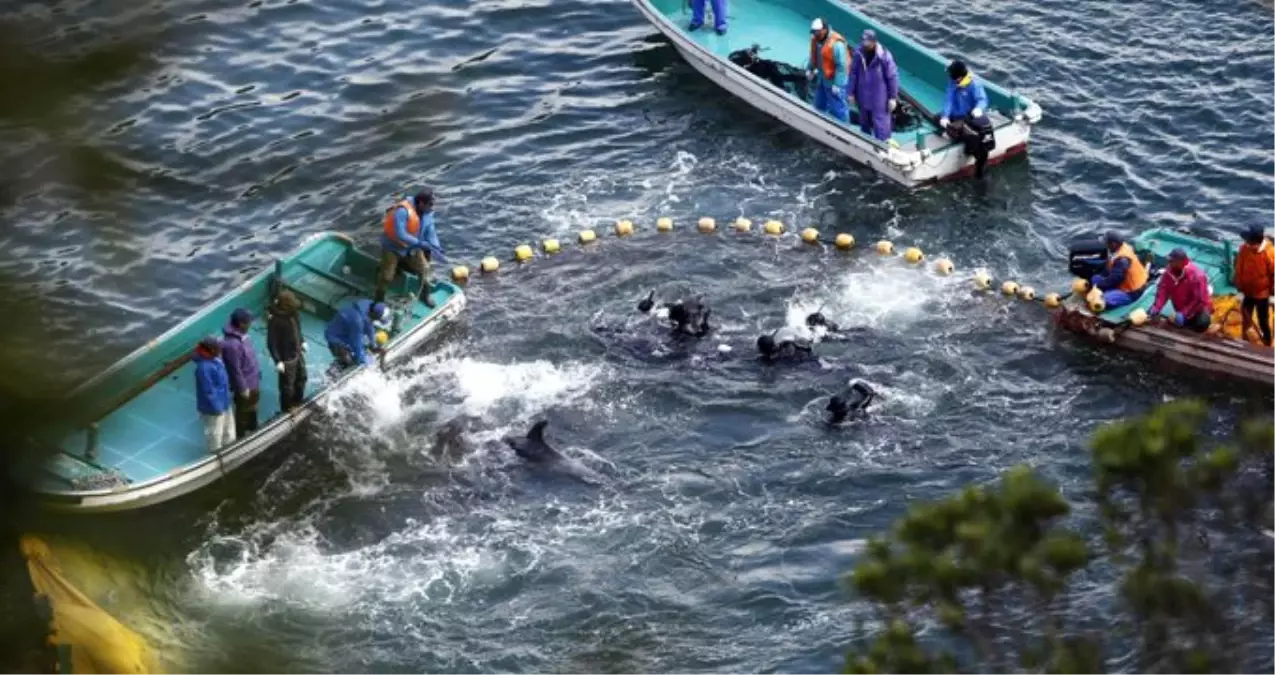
1223,350
917,154
140,440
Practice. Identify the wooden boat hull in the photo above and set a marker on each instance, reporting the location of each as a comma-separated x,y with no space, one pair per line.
935,159
209,468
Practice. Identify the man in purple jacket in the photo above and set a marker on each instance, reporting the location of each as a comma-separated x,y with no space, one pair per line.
245,375
874,86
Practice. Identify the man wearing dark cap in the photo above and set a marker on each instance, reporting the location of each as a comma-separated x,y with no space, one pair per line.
1187,287
243,370
874,86
964,117
1125,277
409,241
1255,279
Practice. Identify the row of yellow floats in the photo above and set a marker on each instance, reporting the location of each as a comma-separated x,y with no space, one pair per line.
843,241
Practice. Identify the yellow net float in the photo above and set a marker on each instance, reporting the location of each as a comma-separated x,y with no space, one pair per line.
523,253
707,224
490,264
1053,301
588,236
664,225
773,227
845,241
982,280
1009,288
884,247
1095,301
460,273
382,338
944,266
810,235
1027,293
1079,286
1138,317
913,255
743,224
550,246
623,228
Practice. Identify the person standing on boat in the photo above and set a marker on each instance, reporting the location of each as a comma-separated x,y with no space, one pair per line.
1255,278
212,394
287,349
1125,277
874,86
409,241
719,15
829,70
245,373
1187,287
354,327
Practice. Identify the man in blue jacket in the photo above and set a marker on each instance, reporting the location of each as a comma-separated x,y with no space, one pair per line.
409,241
212,394
354,327
964,115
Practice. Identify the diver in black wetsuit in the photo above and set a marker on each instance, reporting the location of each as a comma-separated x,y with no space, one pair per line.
688,317
853,400
784,345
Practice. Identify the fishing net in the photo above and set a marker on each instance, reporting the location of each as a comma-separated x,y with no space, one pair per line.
85,637
1226,314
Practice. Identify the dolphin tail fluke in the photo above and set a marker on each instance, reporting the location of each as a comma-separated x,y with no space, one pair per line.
537,432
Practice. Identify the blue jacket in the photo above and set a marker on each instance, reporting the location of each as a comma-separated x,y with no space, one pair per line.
1113,277
212,384
428,238
962,100
352,329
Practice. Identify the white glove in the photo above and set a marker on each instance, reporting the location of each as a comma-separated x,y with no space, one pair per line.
944,122
279,367
976,113
838,92
892,104
243,394
810,74
304,345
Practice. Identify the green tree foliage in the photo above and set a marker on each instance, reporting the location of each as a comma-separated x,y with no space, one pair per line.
985,581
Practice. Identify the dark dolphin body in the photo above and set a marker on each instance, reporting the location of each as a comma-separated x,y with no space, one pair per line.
853,400
533,447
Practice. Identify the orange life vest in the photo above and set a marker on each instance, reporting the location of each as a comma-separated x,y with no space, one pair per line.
413,222
1255,269
1136,277
827,60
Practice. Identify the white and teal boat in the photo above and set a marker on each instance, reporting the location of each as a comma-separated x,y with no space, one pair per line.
915,156
140,440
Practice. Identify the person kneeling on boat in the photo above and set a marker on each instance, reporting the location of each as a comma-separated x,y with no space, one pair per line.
353,328
1187,287
245,373
829,69
212,394
1125,277
1255,279
874,86
719,15
287,349
964,116
409,241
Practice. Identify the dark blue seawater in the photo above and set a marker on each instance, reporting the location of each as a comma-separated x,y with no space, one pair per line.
727,515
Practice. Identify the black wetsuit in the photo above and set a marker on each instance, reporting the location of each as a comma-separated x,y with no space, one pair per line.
853,400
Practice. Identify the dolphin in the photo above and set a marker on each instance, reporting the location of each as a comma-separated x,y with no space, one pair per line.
533,447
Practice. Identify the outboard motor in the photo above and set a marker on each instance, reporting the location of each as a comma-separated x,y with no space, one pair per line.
1087,257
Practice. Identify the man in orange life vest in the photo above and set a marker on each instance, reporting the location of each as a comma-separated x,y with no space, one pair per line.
409,241
829,69
1125,277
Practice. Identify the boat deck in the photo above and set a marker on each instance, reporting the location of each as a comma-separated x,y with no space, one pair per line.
784,35
1213,261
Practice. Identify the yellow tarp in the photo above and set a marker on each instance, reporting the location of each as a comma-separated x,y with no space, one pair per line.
1226,313
97,642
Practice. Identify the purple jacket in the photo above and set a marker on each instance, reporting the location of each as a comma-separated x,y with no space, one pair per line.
872,84
241,360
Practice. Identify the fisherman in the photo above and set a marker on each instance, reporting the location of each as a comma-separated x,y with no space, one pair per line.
212,394
719,15
1187,287
354,327
245,373
409,241
287,349
1125,277
1255,279
874,86
964,116
829,69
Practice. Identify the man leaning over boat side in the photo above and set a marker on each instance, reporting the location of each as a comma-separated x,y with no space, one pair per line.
1187,287
874,86
212,394
1125,277
829,69
240,358
409,241
1255,280
353,328
719,15
287,349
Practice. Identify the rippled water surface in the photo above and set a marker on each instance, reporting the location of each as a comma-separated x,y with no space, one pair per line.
726,514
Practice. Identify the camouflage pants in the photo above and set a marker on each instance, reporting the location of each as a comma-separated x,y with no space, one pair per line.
416,262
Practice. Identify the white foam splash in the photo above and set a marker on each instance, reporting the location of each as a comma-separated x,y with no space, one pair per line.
534,385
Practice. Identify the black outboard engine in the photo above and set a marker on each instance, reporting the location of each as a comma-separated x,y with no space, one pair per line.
1087,257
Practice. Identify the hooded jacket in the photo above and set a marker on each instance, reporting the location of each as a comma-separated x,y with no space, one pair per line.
1255,269
241,360
212,385
352,329
283,331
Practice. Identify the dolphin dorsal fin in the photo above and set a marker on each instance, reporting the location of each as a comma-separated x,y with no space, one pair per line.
537,432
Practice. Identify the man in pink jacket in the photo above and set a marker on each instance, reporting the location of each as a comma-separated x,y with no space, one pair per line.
1187,287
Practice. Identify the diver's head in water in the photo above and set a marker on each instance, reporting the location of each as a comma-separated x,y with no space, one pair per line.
767,346
853,400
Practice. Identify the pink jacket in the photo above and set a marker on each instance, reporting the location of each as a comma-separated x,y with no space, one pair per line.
1188,292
